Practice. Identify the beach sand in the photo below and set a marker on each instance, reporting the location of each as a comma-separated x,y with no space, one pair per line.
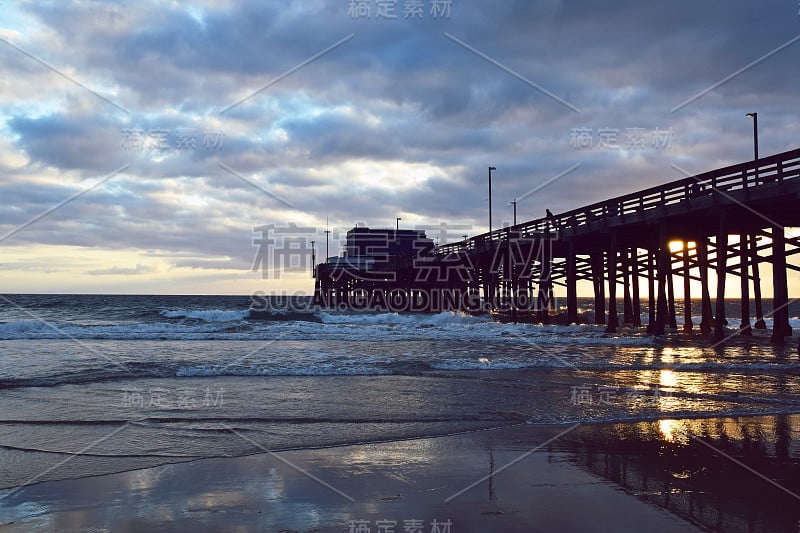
537,486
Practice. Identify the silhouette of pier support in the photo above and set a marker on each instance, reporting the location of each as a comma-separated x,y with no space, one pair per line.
636,303
599,287
687,290
722,254
662,267
545,297
651,292
780,288
754,260
627,303
613,260
572,284
705,304
671,318
744,327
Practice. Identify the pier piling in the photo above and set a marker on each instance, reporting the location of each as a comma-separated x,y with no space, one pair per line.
722,254
687,290
745,286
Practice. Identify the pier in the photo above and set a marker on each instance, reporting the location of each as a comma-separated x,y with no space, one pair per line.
728,221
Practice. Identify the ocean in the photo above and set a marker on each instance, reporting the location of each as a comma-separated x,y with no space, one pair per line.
94,384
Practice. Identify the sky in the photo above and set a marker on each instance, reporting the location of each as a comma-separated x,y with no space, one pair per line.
199,147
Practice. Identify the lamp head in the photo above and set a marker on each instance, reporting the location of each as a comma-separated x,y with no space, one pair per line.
752,115
492,168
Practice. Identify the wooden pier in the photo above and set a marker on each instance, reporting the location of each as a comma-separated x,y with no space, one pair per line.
730,221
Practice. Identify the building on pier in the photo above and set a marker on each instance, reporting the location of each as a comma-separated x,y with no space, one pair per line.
380,244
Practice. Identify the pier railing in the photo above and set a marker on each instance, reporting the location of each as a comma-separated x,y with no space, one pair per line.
695,192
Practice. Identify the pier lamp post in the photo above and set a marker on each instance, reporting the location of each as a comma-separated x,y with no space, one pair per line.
313,261
397,230
490,198
514,203
754,116
759,324
327,239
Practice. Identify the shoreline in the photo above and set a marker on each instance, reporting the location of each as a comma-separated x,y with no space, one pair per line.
640,418
396,480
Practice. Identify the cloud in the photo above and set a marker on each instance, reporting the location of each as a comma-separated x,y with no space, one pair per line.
138,270
399,120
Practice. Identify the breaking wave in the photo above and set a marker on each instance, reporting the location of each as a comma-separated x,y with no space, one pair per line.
207,315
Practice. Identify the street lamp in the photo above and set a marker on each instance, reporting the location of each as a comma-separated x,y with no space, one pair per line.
490,198
313,261
327,239
514,203
756,283
754,116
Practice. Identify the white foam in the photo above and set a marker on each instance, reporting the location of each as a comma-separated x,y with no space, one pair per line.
397,319
207,315
21,329
439,321
316,370
32,329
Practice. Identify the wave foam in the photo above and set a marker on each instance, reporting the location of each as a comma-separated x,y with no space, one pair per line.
317,370
21,329
207,315
397,319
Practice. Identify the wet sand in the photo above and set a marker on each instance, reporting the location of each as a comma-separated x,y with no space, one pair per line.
538,485
712,474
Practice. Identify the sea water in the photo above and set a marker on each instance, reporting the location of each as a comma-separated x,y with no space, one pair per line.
93,384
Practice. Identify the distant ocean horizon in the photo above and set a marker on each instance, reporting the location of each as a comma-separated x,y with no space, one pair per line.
133,381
